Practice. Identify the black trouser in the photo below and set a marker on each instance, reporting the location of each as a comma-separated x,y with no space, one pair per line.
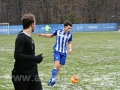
27,80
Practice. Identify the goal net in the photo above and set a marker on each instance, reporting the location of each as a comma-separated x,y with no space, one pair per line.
4,28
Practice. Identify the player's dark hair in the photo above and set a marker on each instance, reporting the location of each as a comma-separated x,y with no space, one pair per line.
27,20
67,24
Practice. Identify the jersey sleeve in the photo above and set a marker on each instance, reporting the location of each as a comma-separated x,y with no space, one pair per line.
55,33
70,39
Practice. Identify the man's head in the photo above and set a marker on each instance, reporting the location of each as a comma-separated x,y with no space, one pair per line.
28,21
67,26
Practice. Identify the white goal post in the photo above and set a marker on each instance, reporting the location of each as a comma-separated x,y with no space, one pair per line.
4,28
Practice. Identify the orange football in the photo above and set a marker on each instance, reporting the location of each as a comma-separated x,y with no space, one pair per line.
74,79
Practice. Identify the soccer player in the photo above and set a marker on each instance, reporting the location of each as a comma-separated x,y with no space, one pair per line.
25,73
47,28
63,39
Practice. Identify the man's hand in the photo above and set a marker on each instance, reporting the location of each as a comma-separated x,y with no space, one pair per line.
39,58
69,51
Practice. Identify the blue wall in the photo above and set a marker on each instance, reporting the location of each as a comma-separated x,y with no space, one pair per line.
76,28
95,27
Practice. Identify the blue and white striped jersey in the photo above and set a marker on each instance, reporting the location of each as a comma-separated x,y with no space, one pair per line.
62,40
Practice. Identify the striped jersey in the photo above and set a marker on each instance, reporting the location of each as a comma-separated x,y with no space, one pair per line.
62,39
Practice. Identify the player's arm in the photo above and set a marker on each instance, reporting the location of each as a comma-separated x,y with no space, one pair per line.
46,35
69,47
19,56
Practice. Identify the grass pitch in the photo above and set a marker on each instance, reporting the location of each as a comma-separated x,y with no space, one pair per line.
95,59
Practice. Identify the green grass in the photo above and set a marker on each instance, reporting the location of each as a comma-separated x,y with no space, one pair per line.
95,59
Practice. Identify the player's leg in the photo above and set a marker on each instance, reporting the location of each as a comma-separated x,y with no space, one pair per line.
62,61
63,57
54,73
19,81
55,68
35,83
59,61
46,32
58,69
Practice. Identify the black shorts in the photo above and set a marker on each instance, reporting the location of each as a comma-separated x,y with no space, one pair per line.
26,81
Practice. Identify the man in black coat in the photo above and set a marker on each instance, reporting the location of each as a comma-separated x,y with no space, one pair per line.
25,74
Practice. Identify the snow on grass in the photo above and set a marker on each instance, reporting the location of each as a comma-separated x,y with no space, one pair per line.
94,60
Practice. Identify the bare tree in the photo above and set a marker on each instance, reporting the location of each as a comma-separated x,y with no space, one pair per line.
59,11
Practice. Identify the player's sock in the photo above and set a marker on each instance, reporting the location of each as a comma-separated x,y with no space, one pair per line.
54,72
52,79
